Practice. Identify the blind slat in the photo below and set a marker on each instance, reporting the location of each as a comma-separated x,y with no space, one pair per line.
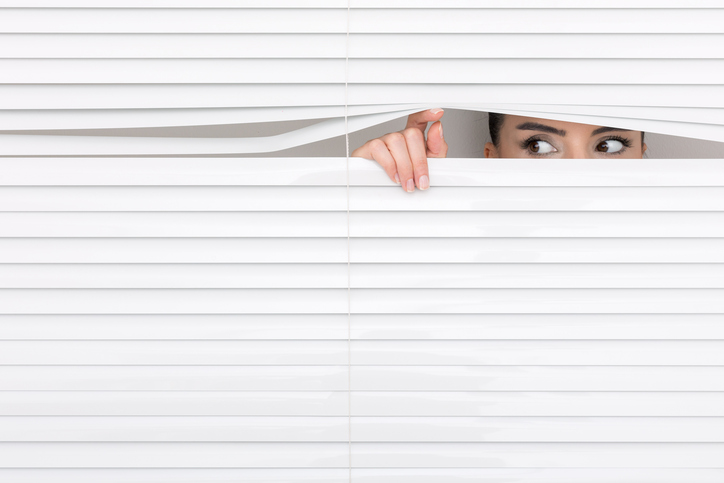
366,429
209,475
539,326
174,403
331,172
532,455
362,198
366,455
374,475
174,250
362,71
536,250
174,352
174,96
538,352
182,224
167,455
522,224
181,20
363,224
362,20
362,46
639,379
187,378
539,403
429,276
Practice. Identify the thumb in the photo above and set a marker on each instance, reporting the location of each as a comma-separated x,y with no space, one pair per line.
420,119
436,145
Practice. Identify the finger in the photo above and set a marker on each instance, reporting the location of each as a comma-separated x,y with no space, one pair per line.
382,155
376,150
363,151
419,120
436,145
397,146
415,140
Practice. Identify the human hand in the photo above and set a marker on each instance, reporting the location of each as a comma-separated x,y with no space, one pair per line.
403,155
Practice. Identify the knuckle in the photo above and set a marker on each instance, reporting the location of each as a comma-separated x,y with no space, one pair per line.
413,134
395,138
376,144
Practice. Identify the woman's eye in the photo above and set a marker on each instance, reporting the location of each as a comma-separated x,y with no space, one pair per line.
609,146
540,147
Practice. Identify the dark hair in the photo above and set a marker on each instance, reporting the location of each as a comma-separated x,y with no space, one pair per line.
495,122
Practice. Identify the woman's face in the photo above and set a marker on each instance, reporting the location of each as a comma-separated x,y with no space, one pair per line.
531,137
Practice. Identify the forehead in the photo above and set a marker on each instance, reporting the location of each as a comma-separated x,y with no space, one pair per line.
511,123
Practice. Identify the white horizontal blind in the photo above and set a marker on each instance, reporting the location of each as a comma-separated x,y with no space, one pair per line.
173,320
186,319
647,65
540,321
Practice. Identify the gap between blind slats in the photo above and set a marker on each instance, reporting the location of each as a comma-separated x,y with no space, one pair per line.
705,124
117,145
25,145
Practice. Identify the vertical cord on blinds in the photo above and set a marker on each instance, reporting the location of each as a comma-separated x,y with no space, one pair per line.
349,272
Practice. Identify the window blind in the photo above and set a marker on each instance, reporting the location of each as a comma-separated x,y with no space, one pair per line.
171,316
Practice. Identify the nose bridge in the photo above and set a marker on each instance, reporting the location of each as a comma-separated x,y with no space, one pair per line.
576,150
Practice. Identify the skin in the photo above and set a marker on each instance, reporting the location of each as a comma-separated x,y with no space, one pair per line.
403,155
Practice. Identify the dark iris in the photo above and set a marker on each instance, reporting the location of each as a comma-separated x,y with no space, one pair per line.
605,146
534,146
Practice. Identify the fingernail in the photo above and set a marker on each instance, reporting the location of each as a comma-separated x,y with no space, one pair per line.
436,110
410,185
441,136
397,178
424,182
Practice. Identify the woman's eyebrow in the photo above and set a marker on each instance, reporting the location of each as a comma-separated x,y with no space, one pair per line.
606,129
535,126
